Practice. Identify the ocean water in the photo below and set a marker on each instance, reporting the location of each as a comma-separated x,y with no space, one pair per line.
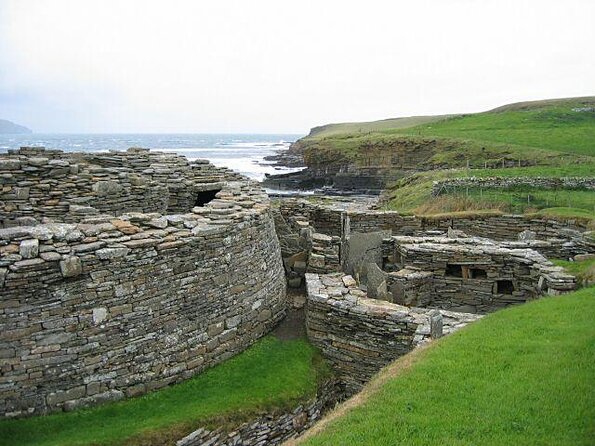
243,153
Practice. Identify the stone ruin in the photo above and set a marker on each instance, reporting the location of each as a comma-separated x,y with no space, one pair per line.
124,272
374,294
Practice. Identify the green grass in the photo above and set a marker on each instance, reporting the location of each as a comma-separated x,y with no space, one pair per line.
413,193
520,199
584,271
556,128
520,376
272,374
372,126
539,133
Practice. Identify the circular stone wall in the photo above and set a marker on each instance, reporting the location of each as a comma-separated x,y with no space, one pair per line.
113,307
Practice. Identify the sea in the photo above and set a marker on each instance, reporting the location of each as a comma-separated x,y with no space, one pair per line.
243,153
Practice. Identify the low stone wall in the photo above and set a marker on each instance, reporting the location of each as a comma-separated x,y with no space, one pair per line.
114,307
271,429
359,335
445,186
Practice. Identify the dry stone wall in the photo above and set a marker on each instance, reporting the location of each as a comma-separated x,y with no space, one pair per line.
578,183
109,307
41,185
359,335
469,274
271,429
554,238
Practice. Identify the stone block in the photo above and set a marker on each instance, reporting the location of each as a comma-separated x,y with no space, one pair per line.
71,266
29,249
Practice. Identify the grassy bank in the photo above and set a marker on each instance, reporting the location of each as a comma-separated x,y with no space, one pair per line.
414,194
523,375
271,375
584,270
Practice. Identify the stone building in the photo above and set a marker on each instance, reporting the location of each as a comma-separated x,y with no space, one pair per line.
124,272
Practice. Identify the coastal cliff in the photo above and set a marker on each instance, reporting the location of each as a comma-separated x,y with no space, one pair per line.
367,157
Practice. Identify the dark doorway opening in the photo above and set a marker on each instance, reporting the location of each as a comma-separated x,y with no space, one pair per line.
205,196
453,270
504,287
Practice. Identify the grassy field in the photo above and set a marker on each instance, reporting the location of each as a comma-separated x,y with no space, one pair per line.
523,375
413,195
555,127
271,375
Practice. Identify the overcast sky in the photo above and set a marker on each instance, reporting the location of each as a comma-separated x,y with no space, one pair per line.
282,66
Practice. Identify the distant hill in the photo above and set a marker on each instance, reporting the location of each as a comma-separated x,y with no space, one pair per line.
11,127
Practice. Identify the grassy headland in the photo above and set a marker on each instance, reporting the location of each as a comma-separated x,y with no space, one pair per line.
551,138
523,375
271,375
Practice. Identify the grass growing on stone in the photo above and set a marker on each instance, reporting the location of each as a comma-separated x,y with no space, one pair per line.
583,270
271,375
523,375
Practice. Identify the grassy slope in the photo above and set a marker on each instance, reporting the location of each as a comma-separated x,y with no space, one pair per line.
534,133
272,374
584,271
413,194
372,126
554,127
523,375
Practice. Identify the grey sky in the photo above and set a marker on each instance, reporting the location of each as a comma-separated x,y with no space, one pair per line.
282,66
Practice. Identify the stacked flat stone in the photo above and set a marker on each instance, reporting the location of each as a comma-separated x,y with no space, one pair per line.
454,184
40,185
359,335
424,279
111,306
270,430
553,238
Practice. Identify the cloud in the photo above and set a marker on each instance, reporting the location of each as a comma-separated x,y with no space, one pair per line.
225,66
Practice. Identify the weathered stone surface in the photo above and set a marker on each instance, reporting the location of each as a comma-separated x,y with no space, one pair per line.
71,266
29,248
111,253
171,295
359,335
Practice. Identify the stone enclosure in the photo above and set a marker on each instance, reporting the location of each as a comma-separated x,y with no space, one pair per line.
374,293
99,302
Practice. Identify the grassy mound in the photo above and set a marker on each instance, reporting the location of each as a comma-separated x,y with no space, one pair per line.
523,375
271,375
584,270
